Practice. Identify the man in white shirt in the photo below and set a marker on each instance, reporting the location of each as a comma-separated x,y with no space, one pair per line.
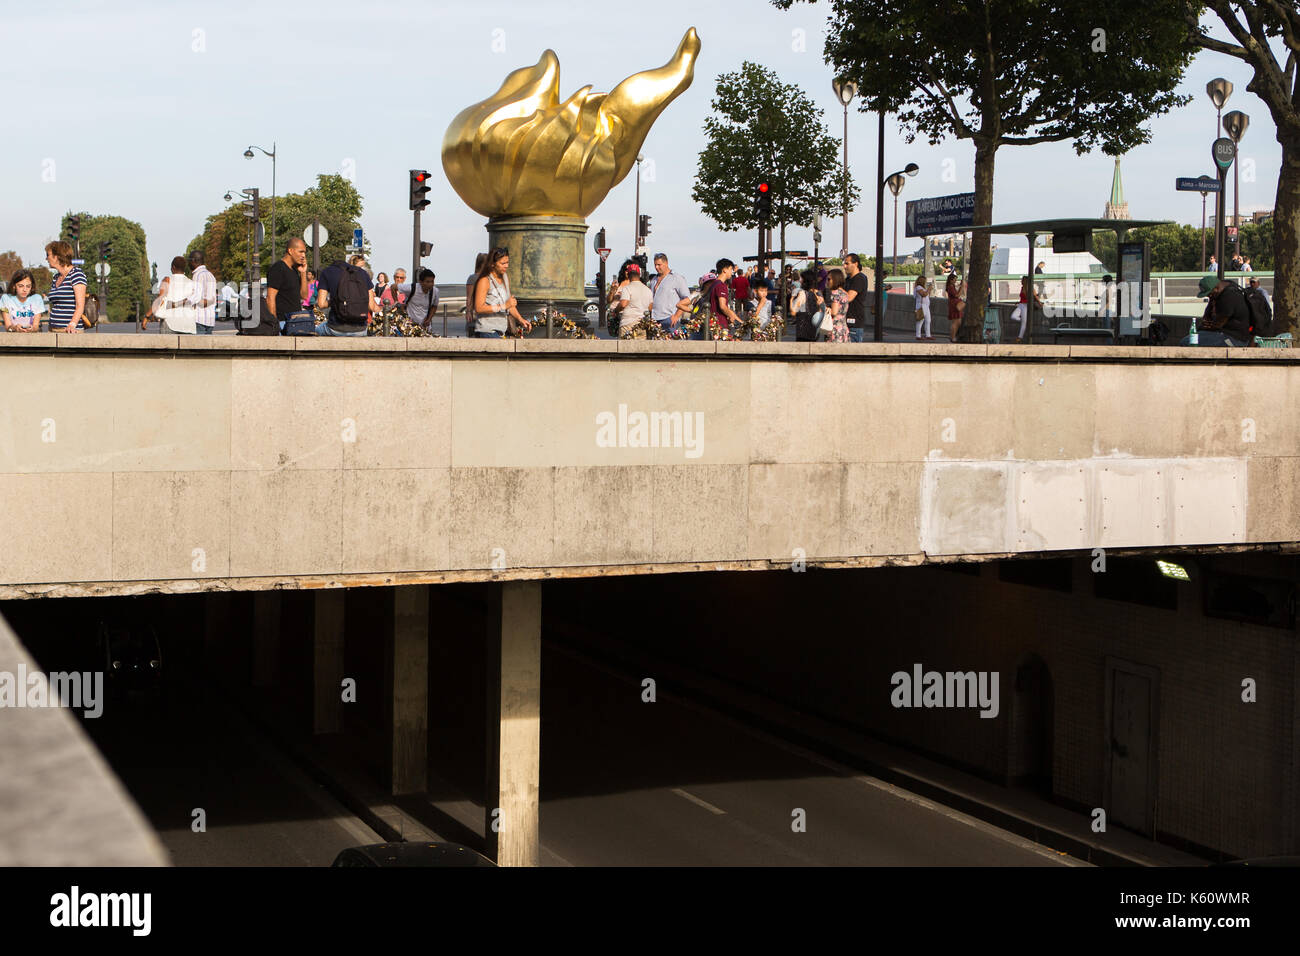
204,297
423,302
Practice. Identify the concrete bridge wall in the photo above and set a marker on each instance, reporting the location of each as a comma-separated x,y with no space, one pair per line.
150,463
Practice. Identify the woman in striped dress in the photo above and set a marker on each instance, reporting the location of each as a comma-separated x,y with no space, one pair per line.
67,296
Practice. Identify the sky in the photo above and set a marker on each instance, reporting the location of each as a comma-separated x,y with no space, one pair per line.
151,121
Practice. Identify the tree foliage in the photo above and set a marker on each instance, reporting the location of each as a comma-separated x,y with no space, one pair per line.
763,130
1258,28
1012,72
128,279
10,262
225,237
1177,248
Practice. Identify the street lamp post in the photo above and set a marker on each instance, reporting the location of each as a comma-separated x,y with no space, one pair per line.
1218,90
845,91
1235,124
1203,195
636,231
248,154
911,169
895,184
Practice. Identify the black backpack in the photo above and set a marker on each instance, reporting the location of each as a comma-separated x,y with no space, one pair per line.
352,303
1261,313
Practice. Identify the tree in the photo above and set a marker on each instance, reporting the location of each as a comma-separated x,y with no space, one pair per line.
1279,88
763,130
1012,73
10,262
1177,248
225,237
128,279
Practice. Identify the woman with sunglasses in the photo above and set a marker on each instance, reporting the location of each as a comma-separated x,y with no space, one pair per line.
496,311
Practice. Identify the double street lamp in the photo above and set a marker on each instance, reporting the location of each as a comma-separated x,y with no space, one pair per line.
1234,124
248,154
1218,91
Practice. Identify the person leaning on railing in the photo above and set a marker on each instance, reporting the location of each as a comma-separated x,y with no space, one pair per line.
68,289
20,308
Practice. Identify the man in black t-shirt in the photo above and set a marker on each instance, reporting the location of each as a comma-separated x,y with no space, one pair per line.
286,283
857,288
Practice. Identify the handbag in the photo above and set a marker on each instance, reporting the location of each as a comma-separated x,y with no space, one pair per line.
300,323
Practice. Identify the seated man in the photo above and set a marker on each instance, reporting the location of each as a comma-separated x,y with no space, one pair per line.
1226,320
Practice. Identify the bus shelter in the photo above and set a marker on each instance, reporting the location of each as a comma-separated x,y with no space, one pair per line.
1068,235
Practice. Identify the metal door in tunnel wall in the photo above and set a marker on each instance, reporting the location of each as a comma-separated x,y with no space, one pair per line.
1131,709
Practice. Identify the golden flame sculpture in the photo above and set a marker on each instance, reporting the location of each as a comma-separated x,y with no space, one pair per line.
521,152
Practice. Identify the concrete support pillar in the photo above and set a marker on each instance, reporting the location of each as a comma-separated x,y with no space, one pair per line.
327,661
217,619
266,637
514,676
409,697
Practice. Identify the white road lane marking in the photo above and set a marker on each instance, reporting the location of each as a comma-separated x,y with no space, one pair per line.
698,802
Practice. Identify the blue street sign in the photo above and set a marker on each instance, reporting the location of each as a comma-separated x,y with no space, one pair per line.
78,262
940,214
1197,184
356,237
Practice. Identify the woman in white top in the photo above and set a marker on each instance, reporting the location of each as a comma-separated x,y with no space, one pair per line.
921,296
171,306
496,311
20,309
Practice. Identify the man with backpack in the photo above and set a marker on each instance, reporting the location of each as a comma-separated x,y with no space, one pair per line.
1232,316
422,301
348,292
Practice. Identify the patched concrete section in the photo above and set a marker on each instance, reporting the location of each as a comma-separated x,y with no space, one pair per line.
1020,506
964,507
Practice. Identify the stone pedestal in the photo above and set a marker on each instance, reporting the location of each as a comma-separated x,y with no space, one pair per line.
547,259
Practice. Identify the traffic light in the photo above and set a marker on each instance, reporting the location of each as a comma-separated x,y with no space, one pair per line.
644,224
105,250
251,206
762,202
600,239
74,228
419,186
425,249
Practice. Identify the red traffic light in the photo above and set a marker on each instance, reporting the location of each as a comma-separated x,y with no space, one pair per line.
762,187
421,177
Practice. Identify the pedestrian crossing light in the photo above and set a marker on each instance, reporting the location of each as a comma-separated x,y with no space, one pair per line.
419,188
251,206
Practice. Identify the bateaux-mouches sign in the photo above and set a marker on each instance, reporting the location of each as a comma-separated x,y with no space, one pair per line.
940,214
